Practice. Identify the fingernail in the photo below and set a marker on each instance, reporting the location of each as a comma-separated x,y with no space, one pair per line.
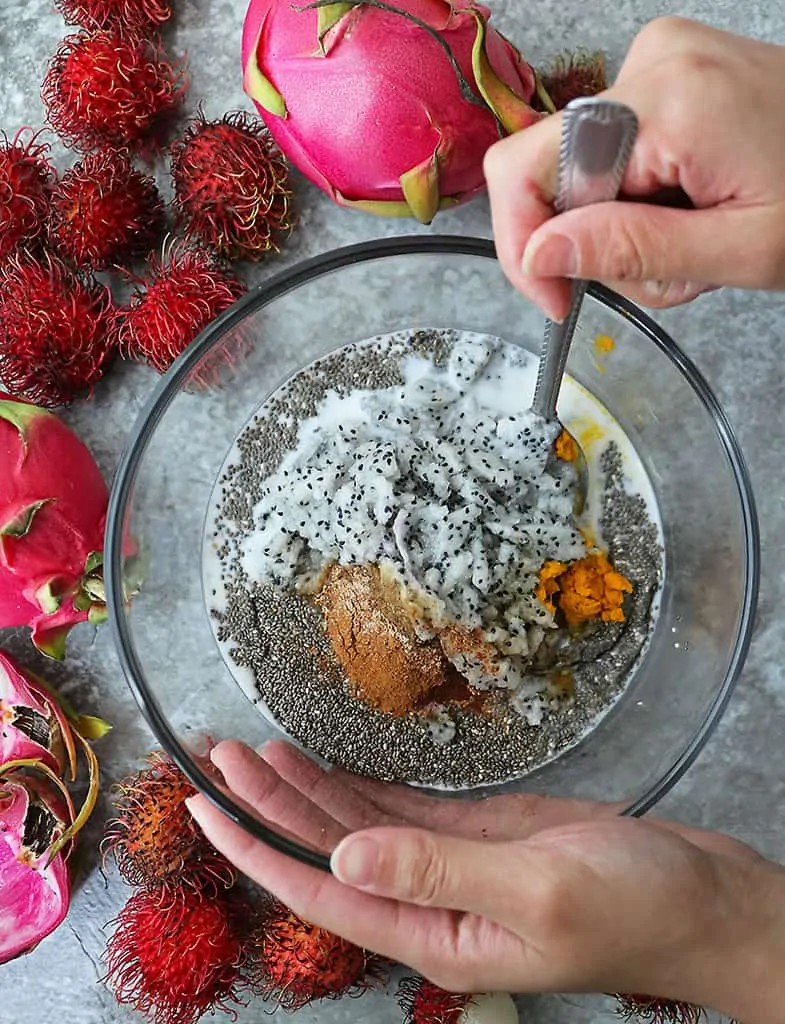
552,256
354,861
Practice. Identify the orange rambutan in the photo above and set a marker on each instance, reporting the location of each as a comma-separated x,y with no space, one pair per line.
298,962
425,1003
153,838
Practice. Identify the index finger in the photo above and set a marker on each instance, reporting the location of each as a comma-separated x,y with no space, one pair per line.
521,202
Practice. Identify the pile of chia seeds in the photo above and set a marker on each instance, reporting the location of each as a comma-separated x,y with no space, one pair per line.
278,637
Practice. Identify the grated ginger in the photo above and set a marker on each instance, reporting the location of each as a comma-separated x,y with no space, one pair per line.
587,589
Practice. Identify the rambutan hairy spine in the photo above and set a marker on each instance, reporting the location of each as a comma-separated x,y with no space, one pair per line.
653,1010
298,963
128,14
56,330
26,179
153,838
231,186
111,88
422,1002
573,75
104,212
186,289
178,958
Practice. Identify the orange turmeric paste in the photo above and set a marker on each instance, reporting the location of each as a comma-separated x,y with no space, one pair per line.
587,589
565,447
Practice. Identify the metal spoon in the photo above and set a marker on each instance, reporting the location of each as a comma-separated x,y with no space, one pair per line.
596,143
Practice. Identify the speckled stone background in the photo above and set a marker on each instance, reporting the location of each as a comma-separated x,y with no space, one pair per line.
737,340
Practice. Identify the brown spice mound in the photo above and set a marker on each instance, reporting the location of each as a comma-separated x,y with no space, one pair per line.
375,642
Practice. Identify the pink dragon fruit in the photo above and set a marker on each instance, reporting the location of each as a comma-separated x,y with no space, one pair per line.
34,884
53,503
386,106
39,736
32,725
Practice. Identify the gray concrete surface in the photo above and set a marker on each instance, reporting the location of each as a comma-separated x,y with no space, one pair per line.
736,339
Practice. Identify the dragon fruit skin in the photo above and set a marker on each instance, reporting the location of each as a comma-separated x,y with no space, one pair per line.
366,103
32,724
53,503
34,894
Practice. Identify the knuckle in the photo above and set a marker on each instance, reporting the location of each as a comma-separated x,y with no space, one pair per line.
493,161
425,870
652,294
449,976
497,160
701,74
660,296
618,256
455,958
660,34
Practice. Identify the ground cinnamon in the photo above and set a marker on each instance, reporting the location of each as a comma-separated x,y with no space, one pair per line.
375,642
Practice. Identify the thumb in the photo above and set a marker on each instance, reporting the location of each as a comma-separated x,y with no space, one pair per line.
638,242
434,870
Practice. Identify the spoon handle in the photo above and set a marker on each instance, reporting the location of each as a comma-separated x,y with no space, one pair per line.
596,143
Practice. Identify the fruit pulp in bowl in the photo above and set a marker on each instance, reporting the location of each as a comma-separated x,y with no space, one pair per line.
174,477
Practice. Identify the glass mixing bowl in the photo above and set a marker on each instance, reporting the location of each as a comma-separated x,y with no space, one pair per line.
179,443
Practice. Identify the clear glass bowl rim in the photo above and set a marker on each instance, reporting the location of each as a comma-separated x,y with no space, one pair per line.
278,285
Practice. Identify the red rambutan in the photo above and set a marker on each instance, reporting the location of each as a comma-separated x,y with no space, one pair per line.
110,88
174,960
154,839
129,14
425,1003
182,296
231,186
652,1010
298,963
104,212
56,330
26,177
573,75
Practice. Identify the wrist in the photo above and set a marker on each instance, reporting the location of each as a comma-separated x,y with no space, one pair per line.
739,967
